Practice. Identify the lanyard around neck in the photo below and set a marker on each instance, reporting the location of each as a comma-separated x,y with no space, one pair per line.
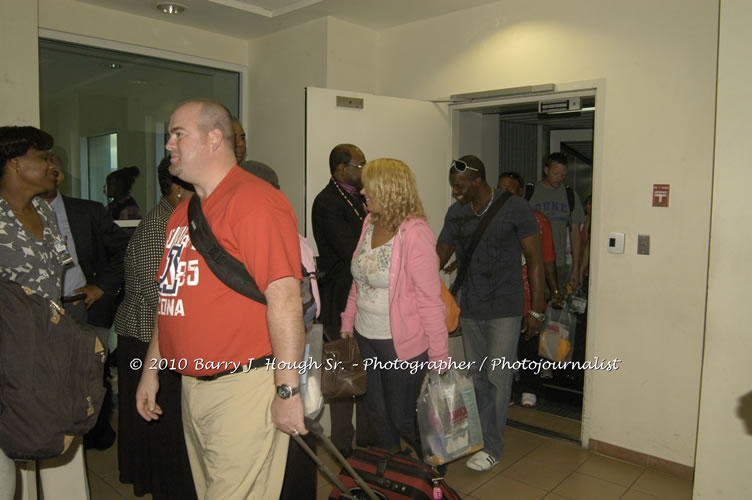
347,199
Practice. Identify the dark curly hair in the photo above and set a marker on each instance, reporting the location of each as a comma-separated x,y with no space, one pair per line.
166,179
124,178
340,154
16,141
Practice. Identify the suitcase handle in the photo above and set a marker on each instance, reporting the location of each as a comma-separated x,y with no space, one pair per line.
318,431
314,427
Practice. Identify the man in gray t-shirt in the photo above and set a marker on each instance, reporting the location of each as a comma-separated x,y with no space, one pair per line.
550,197
492,292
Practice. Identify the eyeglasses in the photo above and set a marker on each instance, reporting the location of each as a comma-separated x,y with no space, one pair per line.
461,166
354,165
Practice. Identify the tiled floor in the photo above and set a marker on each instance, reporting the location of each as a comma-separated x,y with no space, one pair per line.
103,476
537,467
533,467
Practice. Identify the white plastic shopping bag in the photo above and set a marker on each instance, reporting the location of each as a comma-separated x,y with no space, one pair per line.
558,334
310,379
448,418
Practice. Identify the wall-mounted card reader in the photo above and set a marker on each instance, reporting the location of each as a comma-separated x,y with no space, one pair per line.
616,242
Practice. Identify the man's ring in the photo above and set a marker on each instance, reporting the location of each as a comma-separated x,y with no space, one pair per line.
295,432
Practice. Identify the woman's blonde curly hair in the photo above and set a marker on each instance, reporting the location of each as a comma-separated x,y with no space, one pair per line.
392,184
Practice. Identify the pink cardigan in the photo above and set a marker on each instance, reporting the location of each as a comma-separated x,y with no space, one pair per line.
416,312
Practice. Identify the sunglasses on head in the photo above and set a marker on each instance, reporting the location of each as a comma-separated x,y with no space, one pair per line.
461,166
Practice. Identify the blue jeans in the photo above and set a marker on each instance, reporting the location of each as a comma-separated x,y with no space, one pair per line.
392,396
491,338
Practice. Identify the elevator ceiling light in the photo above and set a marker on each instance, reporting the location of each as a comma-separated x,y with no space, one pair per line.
171,8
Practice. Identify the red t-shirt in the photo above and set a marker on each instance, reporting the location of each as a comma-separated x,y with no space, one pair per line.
201,320
549,254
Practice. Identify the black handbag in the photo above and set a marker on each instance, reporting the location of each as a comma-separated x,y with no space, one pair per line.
51,371
343,374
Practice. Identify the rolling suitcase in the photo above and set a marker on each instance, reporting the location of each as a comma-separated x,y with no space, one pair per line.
375,474
396,477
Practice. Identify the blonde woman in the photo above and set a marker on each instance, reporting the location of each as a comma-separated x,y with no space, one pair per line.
394,309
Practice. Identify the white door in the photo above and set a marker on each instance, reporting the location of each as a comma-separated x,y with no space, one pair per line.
416,132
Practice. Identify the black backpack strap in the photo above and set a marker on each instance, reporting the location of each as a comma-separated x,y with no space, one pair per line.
475,240
570,199
227,268
529,190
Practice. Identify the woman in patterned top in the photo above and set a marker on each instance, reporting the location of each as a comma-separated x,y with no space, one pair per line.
33,253
151,455
394,309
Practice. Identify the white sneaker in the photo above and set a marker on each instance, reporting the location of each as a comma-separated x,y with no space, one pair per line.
529,400
481,462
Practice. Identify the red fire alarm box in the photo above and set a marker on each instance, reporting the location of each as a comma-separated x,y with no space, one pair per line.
660,195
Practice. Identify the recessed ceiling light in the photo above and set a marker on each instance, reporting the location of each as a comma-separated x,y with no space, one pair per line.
171,8
114,65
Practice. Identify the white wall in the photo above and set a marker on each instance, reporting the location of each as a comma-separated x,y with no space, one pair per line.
326,52
19,53
658,63
70,16
724,445
350,54
281,66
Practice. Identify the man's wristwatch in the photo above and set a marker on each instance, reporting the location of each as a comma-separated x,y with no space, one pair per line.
284,391
537,315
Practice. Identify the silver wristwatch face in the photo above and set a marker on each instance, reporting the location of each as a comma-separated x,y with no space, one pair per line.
284,391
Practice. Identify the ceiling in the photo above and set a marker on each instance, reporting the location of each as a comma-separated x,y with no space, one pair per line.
250,19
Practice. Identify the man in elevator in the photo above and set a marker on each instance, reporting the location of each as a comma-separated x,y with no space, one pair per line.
562,207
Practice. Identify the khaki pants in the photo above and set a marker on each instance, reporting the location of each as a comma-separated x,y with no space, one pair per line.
233,447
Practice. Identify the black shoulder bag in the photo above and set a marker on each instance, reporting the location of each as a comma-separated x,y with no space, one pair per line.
227,268
484,222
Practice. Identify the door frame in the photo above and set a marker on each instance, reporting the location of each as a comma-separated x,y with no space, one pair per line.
595,88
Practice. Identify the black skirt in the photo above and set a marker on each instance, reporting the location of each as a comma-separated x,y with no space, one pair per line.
151,455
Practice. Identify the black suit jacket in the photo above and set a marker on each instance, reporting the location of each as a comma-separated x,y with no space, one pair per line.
100,247
336,228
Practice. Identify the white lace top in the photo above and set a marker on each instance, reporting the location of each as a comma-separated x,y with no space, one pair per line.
370,270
